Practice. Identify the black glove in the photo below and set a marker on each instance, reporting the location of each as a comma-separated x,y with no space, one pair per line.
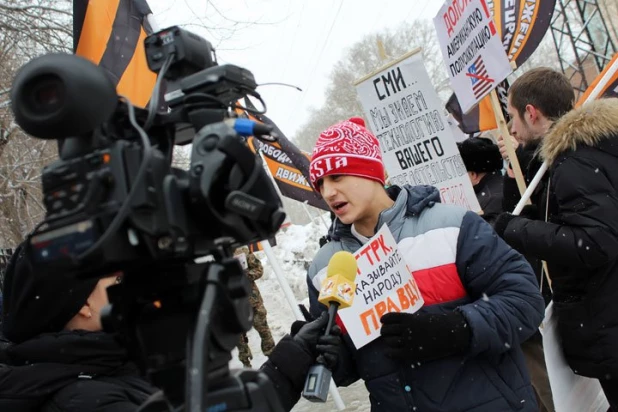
416,337
311,338
530,212
503,219
300,323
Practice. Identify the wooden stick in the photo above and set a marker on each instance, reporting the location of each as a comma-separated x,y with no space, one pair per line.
506,136
387,65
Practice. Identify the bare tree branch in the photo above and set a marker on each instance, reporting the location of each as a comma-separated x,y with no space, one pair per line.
363,58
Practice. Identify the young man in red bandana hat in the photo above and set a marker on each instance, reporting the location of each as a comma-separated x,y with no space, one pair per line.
459,352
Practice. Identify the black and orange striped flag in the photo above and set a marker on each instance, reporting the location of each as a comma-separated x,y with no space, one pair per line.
288,165
111,34
481,117
609,88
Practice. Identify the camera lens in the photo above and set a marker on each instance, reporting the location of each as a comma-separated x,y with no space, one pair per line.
62,95
45,94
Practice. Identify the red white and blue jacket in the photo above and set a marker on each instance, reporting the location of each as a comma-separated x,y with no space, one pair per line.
459,264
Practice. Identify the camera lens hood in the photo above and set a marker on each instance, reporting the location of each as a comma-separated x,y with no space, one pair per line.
62,95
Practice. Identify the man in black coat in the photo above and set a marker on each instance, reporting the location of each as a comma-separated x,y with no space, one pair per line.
536,100
580,239
484,165
60,359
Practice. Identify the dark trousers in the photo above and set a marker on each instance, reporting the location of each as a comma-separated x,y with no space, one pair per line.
610,388
535,362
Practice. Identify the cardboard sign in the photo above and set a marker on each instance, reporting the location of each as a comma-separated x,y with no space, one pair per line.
418,148
384,284
472,49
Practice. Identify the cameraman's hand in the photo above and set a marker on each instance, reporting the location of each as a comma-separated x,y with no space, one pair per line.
311,338
329,348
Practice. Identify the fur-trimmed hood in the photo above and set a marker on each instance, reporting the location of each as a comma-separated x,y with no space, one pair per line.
588,125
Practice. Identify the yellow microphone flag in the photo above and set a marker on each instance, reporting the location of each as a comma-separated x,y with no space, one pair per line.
340,283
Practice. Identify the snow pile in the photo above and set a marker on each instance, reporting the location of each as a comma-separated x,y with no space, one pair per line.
296,246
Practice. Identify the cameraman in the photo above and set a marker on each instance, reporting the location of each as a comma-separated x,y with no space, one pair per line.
61,359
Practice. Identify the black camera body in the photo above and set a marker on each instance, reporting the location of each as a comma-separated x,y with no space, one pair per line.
168,213
115,203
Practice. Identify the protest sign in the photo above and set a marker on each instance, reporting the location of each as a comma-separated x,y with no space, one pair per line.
384,284
571,392
472,50
418,148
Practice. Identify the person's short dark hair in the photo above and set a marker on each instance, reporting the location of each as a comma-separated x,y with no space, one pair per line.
480,155
546,89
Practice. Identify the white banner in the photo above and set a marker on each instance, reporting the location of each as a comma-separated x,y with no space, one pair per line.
472,50
406,115
571,392
384,284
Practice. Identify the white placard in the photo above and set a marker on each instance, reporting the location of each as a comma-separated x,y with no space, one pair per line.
384,283
472,50
418,148
571,392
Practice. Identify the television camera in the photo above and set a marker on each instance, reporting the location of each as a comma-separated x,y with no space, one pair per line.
114,202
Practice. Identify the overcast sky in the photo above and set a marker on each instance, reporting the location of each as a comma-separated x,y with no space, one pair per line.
290,41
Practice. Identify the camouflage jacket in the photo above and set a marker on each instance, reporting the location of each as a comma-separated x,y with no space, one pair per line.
253,267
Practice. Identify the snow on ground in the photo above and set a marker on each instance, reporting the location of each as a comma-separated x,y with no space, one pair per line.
296,246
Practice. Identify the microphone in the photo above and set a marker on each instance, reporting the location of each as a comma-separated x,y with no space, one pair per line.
337,291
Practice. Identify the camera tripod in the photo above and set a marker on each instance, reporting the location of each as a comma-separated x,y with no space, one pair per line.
180,323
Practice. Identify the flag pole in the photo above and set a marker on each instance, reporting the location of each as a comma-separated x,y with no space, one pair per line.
289,296
320,216
287,290
506,137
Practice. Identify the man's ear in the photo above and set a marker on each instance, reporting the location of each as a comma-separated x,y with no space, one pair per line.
473,177
85,311
532,113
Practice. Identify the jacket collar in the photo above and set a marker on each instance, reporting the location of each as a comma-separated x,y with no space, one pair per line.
484,182
41,366
409,201
96,349
594,124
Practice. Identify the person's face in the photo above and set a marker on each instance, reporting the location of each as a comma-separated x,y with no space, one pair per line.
349,197
98,299
522,128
